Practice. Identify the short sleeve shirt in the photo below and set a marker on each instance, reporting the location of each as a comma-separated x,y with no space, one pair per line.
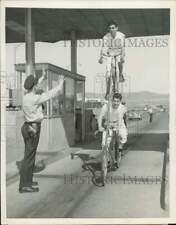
113,45
116,116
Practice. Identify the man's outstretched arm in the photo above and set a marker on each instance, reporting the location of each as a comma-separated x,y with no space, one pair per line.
51,93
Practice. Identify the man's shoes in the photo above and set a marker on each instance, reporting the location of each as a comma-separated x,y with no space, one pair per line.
114,167
28,189
34,183
107,97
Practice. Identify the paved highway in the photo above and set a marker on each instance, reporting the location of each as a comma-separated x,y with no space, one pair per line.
135,188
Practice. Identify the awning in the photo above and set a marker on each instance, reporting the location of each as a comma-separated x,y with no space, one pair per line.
52,25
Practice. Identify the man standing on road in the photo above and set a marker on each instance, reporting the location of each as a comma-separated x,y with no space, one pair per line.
33,115
113,45
150,114
117,120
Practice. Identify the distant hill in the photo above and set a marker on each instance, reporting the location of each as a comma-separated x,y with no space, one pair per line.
139,98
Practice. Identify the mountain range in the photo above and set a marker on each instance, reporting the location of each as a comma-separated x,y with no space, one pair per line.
139,98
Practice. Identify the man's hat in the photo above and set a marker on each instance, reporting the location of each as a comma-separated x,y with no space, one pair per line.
30,82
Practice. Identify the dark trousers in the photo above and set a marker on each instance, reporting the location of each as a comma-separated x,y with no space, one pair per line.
31,141
151,117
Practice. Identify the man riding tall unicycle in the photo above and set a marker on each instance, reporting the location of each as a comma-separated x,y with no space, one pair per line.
113,53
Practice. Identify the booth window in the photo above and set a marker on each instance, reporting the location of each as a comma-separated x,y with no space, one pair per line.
69,95
57,103
42,86
79,94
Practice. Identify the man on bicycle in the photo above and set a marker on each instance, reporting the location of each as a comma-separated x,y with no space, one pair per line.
115,118
113,45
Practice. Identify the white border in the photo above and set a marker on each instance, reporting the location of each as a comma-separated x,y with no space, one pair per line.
172,174
89,3
3,104
99,4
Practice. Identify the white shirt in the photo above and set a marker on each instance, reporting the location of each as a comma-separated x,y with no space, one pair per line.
32,104
115,115
113,46
150,110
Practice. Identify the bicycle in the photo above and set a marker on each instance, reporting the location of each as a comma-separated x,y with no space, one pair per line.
110,147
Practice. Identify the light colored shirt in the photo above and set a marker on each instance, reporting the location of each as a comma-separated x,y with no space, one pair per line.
116,116
113,46
32,104
150,110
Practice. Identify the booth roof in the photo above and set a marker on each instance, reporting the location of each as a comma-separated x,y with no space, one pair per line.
52,25
50,67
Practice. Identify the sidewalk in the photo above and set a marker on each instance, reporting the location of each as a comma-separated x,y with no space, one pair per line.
52,180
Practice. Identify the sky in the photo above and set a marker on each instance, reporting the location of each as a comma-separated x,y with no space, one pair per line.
146,62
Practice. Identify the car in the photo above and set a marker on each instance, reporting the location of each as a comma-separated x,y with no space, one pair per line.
146,107
161,108
134,115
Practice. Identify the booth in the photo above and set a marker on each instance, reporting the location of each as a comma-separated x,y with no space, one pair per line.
64,122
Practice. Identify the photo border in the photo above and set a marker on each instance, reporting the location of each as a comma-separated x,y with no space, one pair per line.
172,104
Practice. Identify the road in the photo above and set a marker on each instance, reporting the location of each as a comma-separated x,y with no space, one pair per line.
136,191
133,191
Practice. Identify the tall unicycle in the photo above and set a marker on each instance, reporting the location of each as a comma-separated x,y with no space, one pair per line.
115,88
104,165
107,154
116,144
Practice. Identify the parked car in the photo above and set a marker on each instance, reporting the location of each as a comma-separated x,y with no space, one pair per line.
146,107
161,108
134,115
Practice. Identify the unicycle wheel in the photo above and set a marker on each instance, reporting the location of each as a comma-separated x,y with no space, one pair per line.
104,169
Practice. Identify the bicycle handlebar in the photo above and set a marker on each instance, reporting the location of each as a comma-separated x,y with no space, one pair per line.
107,55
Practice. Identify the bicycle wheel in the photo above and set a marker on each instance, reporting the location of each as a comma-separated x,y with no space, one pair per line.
97,181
